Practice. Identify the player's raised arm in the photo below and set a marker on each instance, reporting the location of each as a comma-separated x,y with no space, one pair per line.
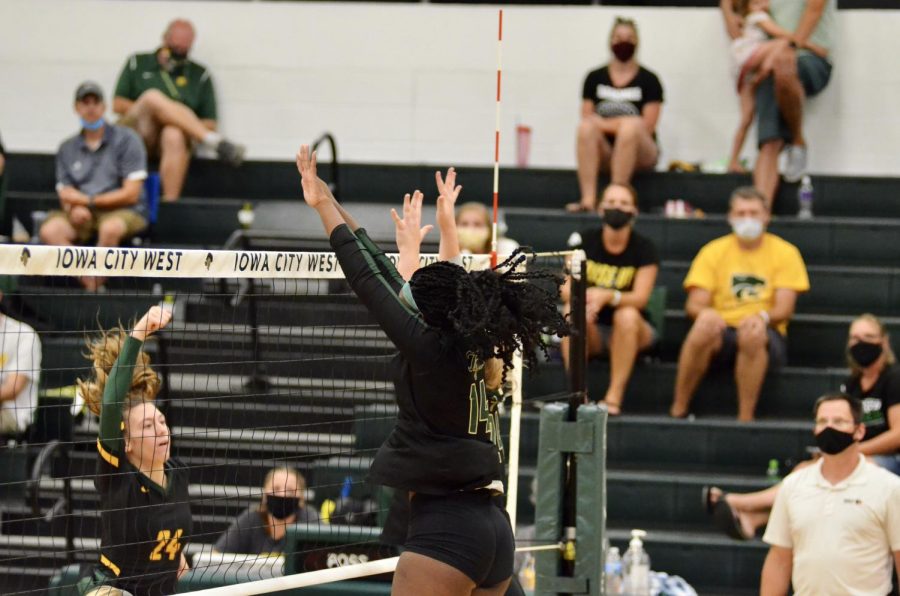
448,192
316,192
409,233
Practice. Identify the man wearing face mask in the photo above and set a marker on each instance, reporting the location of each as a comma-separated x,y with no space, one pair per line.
835,525
742,290
620,108
100,175
169,100
262,528
621,270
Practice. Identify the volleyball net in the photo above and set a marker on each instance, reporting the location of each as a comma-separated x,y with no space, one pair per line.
276,389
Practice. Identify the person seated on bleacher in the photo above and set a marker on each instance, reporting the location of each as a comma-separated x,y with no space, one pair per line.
620,107
20,369
797,73
169,100
621,271
100,175
262,528
473,227
742,290
875,381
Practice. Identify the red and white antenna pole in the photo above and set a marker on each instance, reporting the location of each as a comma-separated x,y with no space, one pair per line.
497,144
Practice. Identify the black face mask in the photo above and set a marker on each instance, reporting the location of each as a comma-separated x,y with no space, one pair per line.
281,507
623,50
832,441
177,55
864,353
616,218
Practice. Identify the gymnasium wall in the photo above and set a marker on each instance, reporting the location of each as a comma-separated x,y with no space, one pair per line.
415,83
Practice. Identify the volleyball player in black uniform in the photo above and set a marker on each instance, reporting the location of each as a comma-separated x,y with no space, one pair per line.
146,515
444,449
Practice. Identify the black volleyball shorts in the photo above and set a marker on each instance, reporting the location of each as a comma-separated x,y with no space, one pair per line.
465,530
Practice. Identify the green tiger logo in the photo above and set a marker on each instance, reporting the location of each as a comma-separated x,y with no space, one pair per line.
745,286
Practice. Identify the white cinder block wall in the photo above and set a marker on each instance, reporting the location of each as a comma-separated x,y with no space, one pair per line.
415,83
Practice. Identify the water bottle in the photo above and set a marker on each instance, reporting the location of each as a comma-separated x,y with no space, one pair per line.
613,571
805,198
637,566
528,576
773,474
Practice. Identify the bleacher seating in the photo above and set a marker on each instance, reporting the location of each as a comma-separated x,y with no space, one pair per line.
657,465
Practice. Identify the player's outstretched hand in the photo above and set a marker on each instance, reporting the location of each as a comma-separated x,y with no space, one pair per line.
448,192
155,319
315,191
409,230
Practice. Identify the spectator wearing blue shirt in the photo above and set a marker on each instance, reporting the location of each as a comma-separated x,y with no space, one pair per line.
100,174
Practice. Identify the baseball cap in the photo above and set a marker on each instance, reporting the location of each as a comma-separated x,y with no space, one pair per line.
88,88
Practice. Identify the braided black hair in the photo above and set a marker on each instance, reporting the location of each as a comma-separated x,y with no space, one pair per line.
493,312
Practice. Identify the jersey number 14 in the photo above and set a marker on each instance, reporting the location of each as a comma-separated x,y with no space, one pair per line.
480,411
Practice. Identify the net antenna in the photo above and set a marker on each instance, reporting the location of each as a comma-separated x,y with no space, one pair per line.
497,142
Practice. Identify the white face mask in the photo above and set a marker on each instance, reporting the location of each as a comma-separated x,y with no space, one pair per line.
747,228
472,238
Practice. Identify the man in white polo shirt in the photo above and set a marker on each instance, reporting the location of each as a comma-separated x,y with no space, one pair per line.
835,526
20,369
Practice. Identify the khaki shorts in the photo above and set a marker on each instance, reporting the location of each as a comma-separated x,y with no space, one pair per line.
149,130
134,223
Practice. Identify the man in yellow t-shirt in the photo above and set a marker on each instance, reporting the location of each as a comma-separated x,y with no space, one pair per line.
742,290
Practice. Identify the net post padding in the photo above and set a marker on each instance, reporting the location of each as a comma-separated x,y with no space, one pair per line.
575,569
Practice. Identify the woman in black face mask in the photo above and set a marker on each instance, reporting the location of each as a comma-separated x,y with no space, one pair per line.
875,380
621,270
620,107
262,528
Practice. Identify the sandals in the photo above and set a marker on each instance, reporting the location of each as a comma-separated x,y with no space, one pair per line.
724,516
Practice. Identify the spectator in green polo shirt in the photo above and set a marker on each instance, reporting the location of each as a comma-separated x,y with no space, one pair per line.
169,100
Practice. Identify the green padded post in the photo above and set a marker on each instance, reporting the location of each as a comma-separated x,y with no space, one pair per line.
591,501
549,499
586,438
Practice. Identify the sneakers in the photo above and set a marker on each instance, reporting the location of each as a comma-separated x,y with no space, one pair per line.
230,153
795,163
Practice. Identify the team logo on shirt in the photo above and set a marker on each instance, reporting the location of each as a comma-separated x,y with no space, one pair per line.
618,102
871,407
746,286
609,276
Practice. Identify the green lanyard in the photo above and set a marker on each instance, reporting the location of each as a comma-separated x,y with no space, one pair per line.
170,84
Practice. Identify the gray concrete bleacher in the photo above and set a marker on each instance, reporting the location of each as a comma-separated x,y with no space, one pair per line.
657,465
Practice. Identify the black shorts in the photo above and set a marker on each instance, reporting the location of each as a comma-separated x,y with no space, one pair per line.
777,346
467,531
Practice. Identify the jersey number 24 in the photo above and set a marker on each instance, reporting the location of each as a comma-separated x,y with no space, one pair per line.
166,543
